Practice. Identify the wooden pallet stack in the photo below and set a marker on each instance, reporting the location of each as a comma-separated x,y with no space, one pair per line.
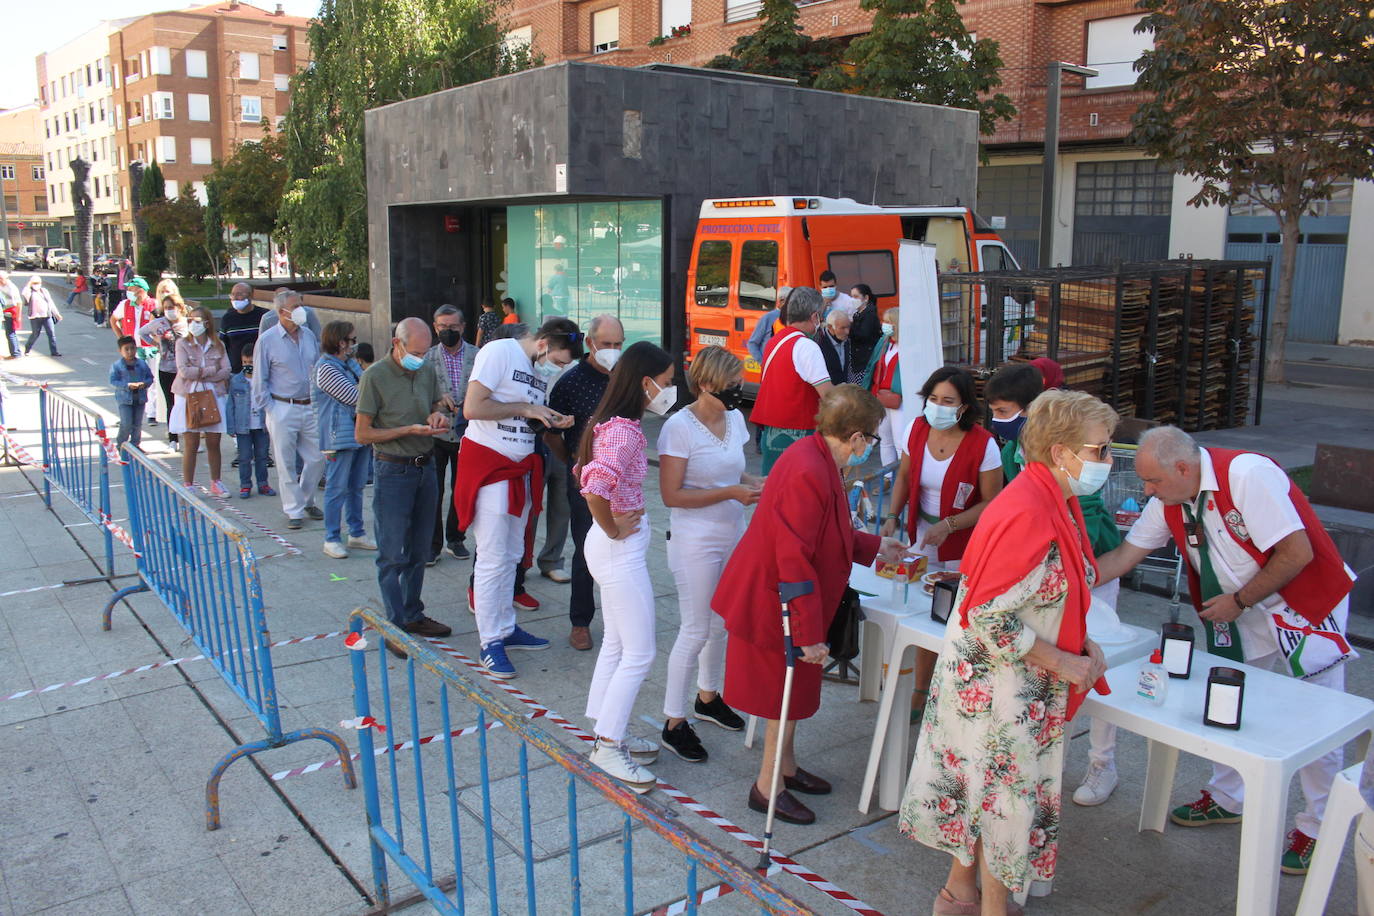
1217,376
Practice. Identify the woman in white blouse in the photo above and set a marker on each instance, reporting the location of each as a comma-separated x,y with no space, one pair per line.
702,480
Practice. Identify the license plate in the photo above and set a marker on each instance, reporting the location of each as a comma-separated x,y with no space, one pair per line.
712,340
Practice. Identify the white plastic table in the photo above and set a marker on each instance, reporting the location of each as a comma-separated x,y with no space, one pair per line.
879,631
1285,724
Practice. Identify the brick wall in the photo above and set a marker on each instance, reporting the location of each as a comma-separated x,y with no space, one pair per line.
1030,33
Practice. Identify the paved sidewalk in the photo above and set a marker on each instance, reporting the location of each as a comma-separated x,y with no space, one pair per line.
101,785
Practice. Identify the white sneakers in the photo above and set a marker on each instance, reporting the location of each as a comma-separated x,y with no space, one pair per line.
1097,787
641,749
619,761
335,549
361,543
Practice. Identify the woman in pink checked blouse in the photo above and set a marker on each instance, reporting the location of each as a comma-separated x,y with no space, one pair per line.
611,468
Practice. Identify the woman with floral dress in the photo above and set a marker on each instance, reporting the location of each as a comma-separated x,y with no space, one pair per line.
985,785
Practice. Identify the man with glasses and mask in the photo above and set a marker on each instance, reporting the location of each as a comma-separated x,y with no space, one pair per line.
576,395
452,358
501,478
401,409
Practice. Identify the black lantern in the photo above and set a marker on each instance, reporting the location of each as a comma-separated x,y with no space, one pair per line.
942,600
1225,697
1176,645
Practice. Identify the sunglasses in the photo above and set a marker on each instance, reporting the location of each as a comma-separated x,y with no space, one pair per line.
1100,452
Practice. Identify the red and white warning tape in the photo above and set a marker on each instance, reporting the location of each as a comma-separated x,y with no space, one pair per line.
224,505
149,667
714,892
124,537
787,864
381,751
111,451
19,453
21,380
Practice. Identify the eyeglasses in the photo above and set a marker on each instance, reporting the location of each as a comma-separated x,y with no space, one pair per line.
876,439
1102,451
351,340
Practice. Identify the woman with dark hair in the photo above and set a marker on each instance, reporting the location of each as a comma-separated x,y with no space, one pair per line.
611,466
335,398
865,331
950,470
800,533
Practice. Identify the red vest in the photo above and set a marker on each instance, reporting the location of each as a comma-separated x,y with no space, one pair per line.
785,400
1315,591
126,318
884,371
963,468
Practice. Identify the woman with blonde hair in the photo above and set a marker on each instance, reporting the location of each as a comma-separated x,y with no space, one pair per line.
702,480
985,785
167,287
202,365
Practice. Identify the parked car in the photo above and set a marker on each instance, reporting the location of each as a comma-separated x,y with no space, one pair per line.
61,259
28,257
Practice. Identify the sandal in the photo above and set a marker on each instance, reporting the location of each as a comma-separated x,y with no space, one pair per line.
946,904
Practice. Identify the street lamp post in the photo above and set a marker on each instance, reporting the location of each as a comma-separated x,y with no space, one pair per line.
5,217
1054,77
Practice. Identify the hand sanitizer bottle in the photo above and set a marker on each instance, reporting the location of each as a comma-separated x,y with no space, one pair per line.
1154,681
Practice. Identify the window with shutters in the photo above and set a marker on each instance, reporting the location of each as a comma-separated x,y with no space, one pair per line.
605,30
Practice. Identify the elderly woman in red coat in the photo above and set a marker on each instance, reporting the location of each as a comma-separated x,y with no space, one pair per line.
800,532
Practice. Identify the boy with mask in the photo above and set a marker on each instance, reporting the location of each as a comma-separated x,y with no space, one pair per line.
248,427
131,379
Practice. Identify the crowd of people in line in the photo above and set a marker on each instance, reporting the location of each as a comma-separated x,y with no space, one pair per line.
471,443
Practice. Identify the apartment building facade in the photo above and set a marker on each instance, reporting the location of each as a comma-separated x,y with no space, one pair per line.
1112,201
22,177
182,88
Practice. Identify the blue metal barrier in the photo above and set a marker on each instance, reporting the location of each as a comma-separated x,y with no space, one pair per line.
75,460
469,772
869,494
203,569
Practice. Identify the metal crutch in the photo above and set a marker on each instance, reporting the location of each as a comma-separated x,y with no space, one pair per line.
787,592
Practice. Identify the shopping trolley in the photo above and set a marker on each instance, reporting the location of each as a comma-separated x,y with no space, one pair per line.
1123,485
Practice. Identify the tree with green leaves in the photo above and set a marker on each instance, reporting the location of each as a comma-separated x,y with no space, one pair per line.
779,47
920,51
213,228
250,185
152,255
1262,100
181,222
366,53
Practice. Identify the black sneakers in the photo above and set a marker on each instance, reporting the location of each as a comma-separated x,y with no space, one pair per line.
684,742
716,711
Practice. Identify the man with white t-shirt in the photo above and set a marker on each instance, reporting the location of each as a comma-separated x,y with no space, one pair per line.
500,478
1267,582
794,377
834,297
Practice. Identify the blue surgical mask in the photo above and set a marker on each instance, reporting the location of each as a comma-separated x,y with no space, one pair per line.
856,460
1091,478
1008,430
548,369
829,292
940,416
412,362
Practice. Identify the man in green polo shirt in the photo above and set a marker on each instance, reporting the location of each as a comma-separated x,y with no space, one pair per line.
398,415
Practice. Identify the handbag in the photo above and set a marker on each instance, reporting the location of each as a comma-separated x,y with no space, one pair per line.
844,629
202,409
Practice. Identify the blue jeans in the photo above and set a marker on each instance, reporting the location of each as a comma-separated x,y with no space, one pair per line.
131,423
253,451
403,521
12,336
345,475
38,326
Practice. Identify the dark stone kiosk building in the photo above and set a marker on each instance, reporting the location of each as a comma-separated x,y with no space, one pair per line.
575,188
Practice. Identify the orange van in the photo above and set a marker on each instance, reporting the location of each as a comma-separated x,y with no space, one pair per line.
745,248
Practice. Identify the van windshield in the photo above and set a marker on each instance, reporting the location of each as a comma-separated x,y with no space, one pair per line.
758,276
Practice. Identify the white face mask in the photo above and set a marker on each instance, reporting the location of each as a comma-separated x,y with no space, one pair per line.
240,305
1091,477
548,368
887,328
662,402
606,357
196,328
299,315
940,416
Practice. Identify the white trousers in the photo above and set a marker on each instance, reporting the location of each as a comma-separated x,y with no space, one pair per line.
627,617
1102,735
1229,789
293,432
154,391
696,561
499,538
1364,864
889,429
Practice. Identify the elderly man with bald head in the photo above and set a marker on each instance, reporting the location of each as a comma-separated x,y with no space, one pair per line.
238,324
401,408
283,365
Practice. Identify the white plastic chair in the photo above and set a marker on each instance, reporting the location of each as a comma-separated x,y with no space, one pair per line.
1343,805
899,682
